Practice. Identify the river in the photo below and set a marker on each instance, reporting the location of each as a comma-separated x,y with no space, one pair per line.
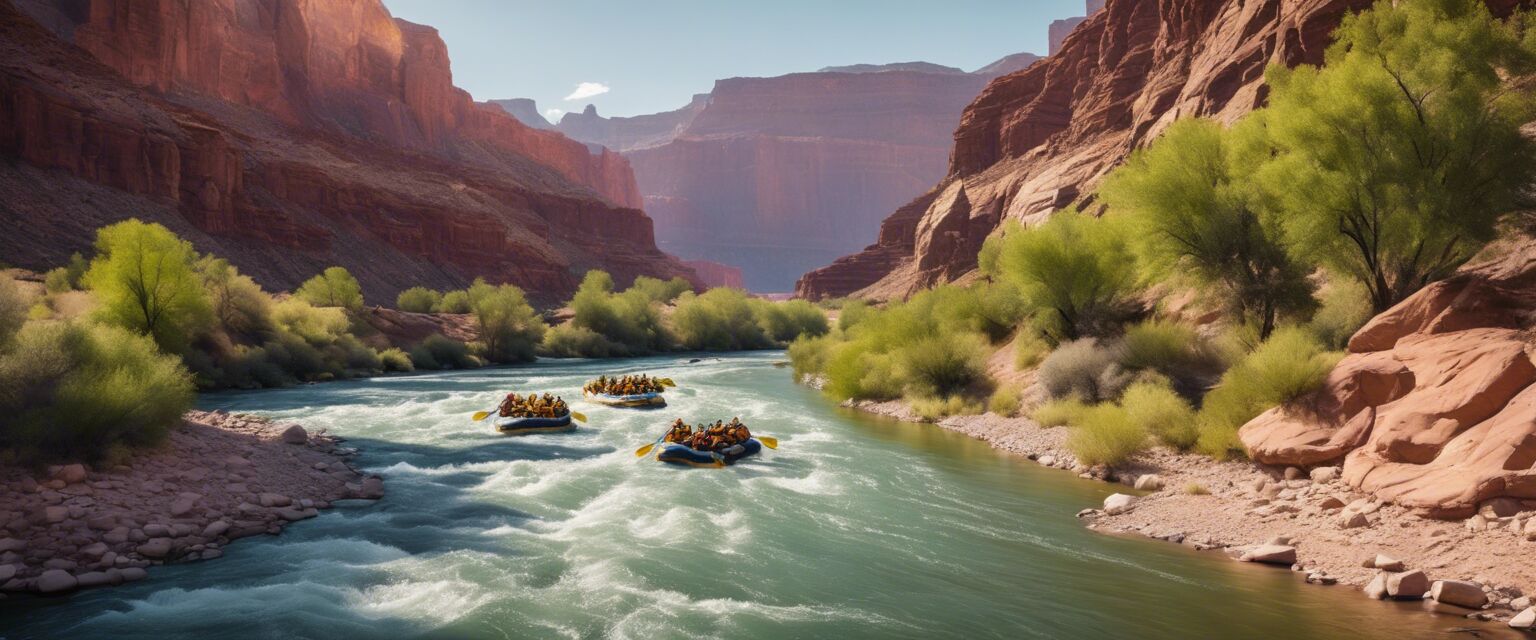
854,528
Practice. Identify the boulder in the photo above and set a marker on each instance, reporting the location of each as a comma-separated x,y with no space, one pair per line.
1149,482
1525,619
1405,585
1387,563
1376,589
1459,593
1330,503
1292,473
1353,520
1500,508
215,529
131,574
1271,554
69,473
275,500
295,434
93,579
155,548
1119,503
373,488
1323,475
55,581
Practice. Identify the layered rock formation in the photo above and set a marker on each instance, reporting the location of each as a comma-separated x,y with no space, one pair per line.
1434,408
290,135
1038,140
778,175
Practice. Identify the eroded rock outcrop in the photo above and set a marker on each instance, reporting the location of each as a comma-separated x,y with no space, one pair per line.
1038,140
289,135
1434,408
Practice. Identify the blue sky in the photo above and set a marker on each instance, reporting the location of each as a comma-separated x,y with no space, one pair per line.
645,56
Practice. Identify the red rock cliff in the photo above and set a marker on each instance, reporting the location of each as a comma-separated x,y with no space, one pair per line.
1039,139
292,135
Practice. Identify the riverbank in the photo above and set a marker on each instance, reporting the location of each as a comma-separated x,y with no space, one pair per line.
1312,522
218,478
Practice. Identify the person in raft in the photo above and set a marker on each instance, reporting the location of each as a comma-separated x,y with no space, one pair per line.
623,386
716,437
546,406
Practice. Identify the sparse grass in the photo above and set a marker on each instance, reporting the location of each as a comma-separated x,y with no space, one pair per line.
1029,349
1196,489
1004,401
935,408
1058,413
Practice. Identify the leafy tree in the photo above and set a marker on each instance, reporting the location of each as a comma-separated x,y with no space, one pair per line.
1074,272
239,305
1197,216
418,300
335,287
145,280
509,327
631,319
67,278
1394,160
13,309
454,302
663,291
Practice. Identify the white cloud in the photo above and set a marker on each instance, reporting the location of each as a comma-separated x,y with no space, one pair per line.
553,114
587,90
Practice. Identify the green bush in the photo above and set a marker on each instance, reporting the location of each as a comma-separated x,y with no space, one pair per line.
569,341
808,355
1285,367
240,308
145,281
631,319
67,278
509,327
1086,370
856,370
1004,401
1058,413
934,409
1104,434
73,391
786,321
718,320
334,287
418,300
13,309
1346,306
851,313
1074,273
440,352
1029,349
662,291
943,365
454,302
1158,410
396,360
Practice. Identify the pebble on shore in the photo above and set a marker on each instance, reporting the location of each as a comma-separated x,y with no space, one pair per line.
219,477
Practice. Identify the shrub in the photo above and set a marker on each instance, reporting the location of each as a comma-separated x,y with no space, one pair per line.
1196,489
454,302
856,370
1346,306
67,278
1073,273
440,352
718,320
1004,401
937,408
144,279
1029,349
786,321
418,300
808,355
396,360
943,365
13,309
1058,413
1158,410
630,319
1282,369
239,305
72,391
662,291
1084,369
851,313
509,327
1104,434
334,287
570,341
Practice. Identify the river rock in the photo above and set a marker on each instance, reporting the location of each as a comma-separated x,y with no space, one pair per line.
215,529
1330,503
1387,563
1149,482
1376,589
1353,520
1500,508
93,579
1271,554
373,488
295,434
1525,619
1119,503
1459,593
1049,461
55,581
1405,585
275,500
155,548
69,473
1324,475
1476,523
1292,473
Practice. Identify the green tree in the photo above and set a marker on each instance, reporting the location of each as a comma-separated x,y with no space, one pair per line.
1394,160
1074,272
631,319
239,305
509,327
145,280
418,300
1196,215
335,287
13,309
663,291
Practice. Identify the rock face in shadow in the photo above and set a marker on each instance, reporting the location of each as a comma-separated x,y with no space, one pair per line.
778,175
291,135
1040,139
1434,408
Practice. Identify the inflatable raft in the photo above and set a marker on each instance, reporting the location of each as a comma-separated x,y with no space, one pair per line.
674,453
652,399
515,426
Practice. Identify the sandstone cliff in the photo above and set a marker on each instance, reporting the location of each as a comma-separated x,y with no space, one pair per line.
1039,139
526,111
291,135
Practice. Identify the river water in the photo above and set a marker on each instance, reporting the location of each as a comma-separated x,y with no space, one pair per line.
854,528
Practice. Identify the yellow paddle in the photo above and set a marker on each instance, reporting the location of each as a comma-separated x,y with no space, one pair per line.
640,453
579,416
667,382
771,443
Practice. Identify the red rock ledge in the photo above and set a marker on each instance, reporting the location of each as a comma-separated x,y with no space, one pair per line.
218,478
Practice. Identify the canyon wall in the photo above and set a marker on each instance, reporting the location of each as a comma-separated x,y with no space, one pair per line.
778,175
1040,139
291,135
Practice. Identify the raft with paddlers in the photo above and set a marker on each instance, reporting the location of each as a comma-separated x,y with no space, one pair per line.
716,445
628,391
533,414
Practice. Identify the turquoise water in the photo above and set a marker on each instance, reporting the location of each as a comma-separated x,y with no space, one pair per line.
854,528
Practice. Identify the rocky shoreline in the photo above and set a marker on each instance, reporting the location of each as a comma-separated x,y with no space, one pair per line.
218,478
1310,522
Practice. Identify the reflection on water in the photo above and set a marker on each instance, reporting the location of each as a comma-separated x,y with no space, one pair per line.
856,527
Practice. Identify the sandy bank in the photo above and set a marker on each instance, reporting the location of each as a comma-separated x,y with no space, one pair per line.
218,478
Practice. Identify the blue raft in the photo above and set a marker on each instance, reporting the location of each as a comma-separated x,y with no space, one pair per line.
679,454
516,426
652,399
